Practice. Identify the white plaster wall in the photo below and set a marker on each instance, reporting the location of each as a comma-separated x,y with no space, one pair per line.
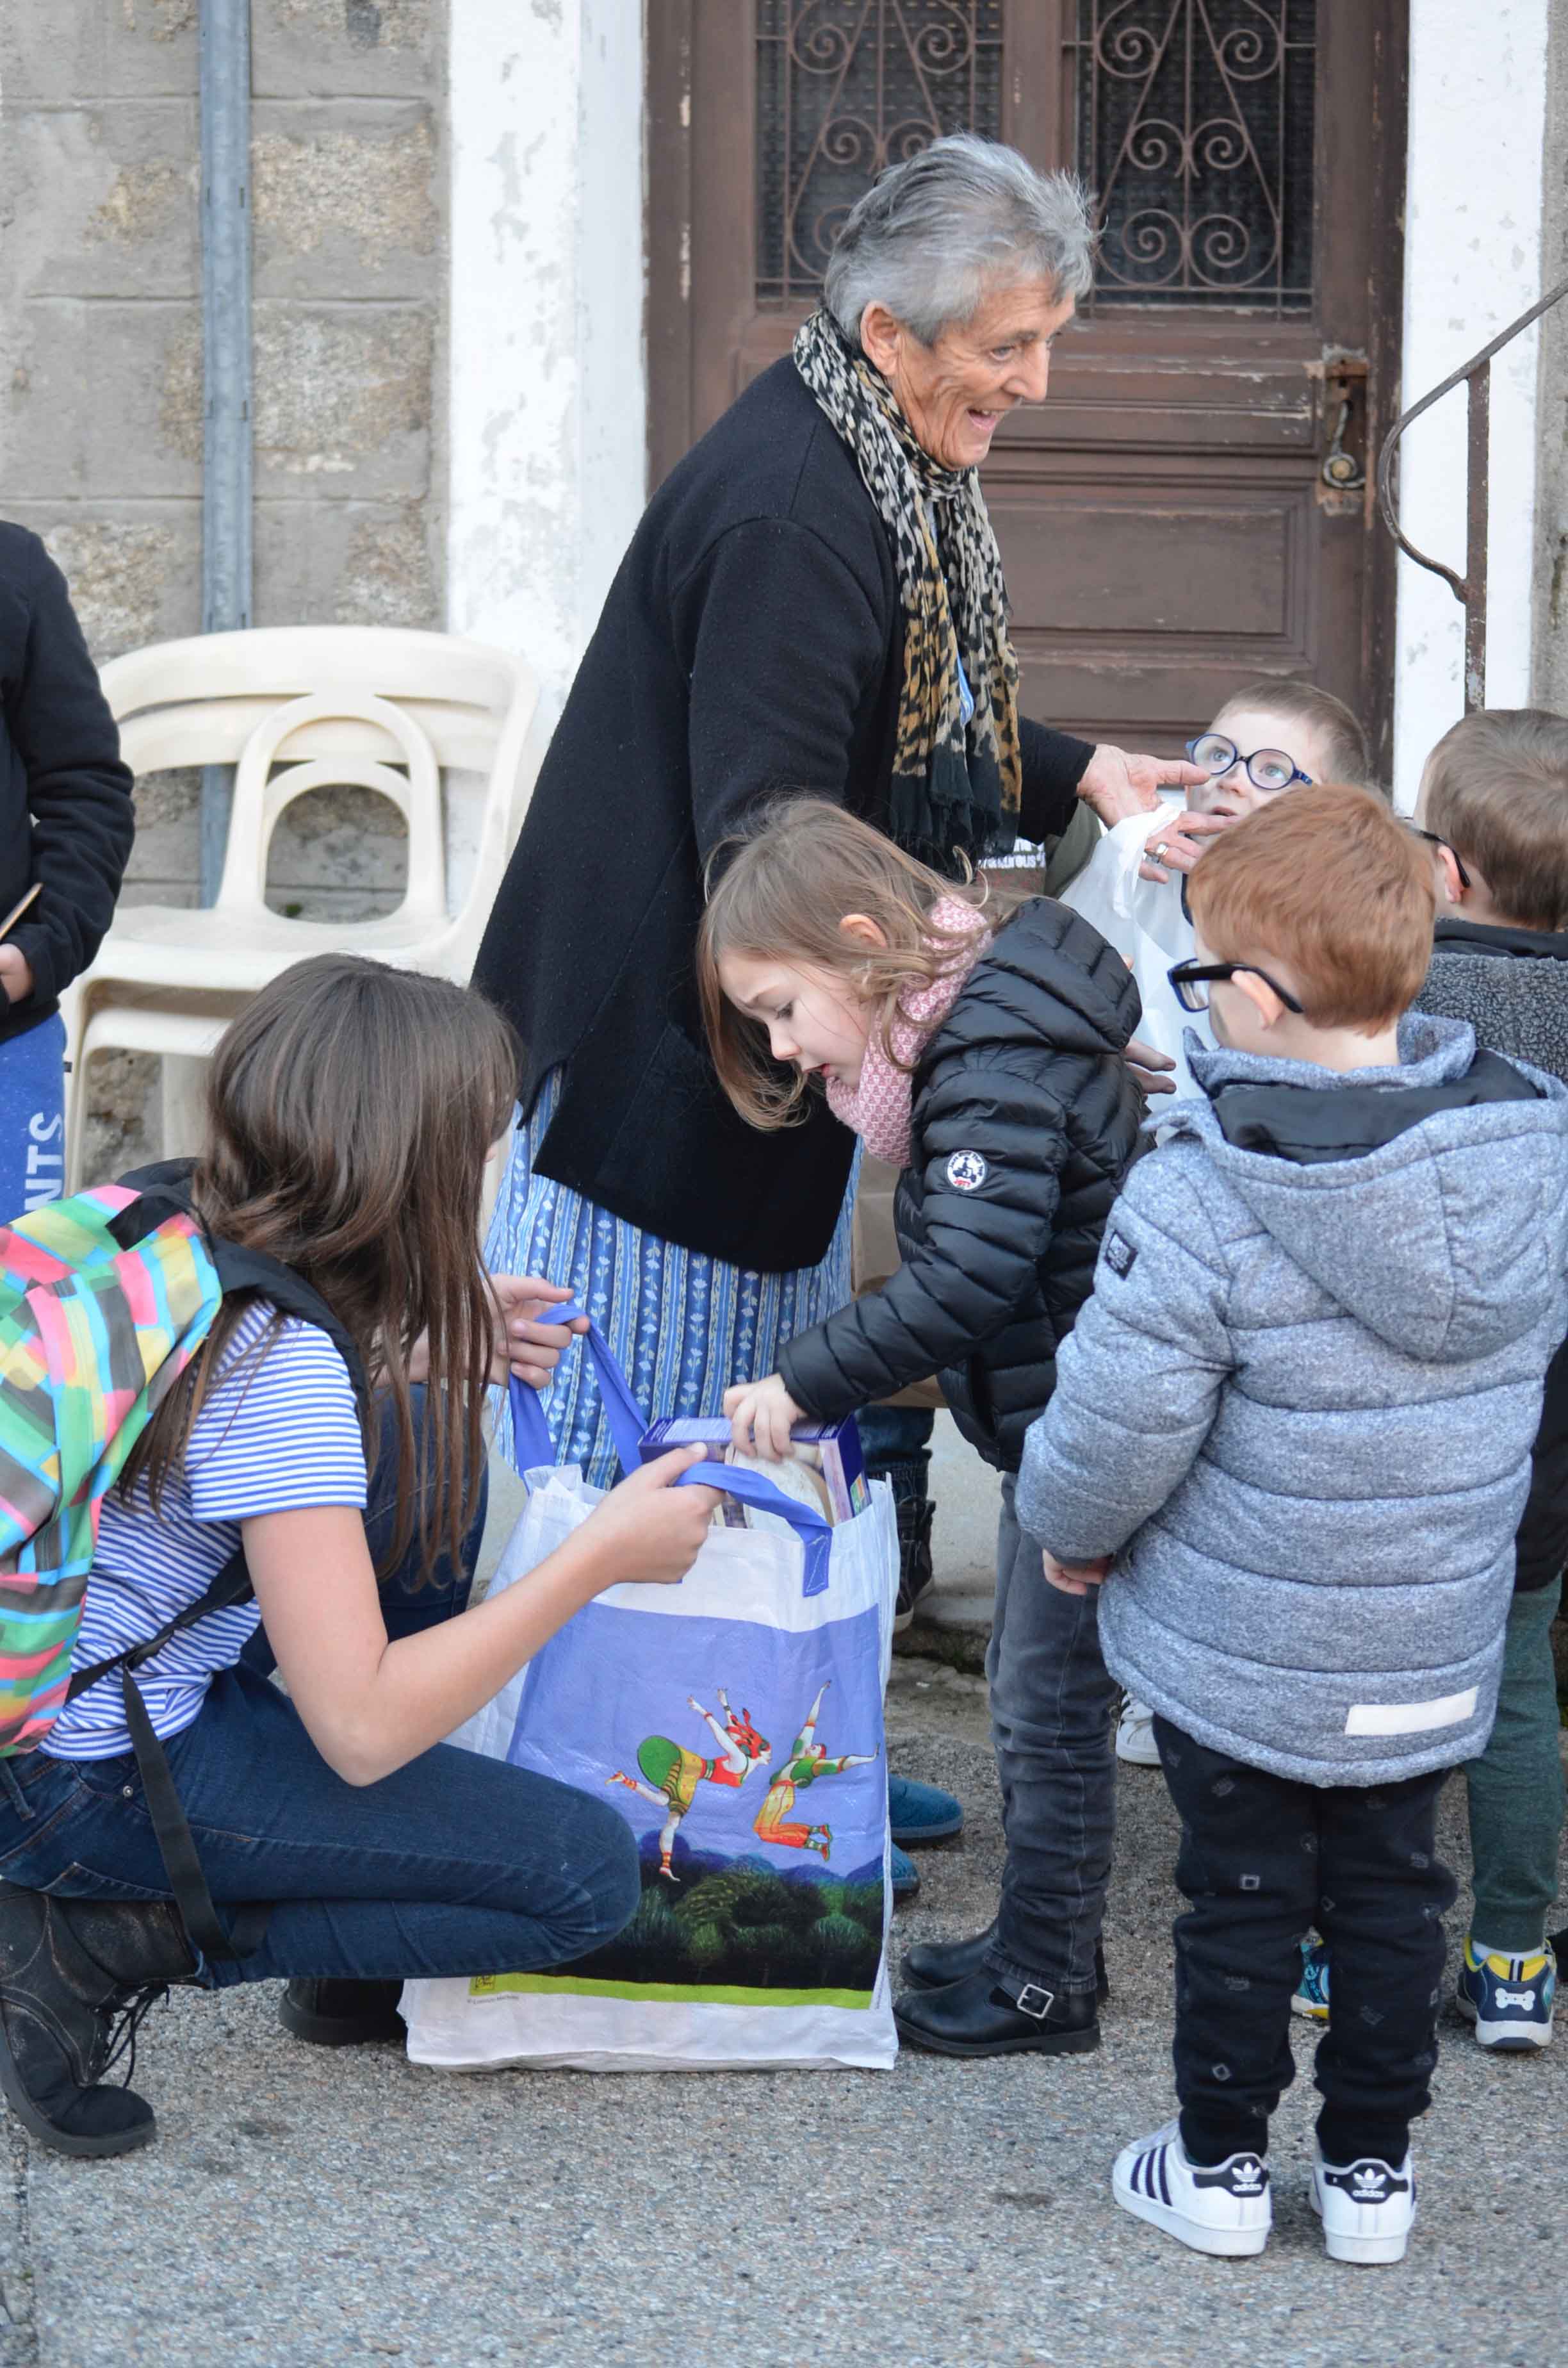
1472,263
548,414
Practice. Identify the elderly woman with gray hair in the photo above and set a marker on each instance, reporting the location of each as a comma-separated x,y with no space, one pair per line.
814,601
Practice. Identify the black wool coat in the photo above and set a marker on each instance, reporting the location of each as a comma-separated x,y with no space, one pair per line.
751,644
65,813
1023,1119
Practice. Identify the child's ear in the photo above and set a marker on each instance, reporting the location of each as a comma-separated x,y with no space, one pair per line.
865,931
1449,873
1260,995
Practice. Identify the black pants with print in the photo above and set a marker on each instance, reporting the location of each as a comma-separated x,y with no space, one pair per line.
1262,1860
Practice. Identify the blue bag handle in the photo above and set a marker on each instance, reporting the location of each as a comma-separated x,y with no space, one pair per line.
532,1446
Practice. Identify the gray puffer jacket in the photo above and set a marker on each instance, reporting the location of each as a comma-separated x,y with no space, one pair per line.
1299,1405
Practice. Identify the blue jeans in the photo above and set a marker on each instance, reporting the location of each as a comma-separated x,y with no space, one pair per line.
454,1864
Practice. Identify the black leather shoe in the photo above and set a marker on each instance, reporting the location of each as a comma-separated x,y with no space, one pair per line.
976,2017
933,1964
343,2014
71,1969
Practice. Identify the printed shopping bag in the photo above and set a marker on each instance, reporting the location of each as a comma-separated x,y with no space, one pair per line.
736,1723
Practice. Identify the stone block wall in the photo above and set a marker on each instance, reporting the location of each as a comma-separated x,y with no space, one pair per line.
100,367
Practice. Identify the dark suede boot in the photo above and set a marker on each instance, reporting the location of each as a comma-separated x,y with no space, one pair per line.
343,2013
68,1968
915,1517
933,1964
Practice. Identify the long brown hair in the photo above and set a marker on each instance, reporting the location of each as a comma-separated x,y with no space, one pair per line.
349,1110
780,895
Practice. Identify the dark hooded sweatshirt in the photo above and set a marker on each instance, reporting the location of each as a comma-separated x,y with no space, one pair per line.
1511,986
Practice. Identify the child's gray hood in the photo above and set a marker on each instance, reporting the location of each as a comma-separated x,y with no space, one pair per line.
1413,1195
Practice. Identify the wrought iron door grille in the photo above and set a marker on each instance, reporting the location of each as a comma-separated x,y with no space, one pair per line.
1195,128
845,87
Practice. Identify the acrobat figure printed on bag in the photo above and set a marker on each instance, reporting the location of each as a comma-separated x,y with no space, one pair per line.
674,1773
808,1761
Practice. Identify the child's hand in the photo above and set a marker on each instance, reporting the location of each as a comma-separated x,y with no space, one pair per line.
1175,844
762,1415
1150,1070
524,1345
1074,1577
647,1530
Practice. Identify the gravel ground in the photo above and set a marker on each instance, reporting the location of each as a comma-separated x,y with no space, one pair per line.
306,2208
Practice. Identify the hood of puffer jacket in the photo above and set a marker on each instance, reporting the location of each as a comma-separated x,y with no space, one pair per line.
1047,976
1423,1219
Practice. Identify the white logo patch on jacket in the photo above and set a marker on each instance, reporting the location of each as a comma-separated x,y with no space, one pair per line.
967,1171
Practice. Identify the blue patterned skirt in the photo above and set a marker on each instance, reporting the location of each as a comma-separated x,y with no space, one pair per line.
682,1325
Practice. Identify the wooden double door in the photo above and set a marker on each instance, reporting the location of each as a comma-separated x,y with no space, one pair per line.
1192,505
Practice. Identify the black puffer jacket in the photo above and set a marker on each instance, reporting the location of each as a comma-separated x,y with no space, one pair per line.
1023,1118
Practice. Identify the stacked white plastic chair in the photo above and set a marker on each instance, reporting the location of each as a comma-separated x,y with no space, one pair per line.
296,709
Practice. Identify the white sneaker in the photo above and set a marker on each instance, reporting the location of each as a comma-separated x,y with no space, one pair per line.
1135,1734
1367,2208
1226,2210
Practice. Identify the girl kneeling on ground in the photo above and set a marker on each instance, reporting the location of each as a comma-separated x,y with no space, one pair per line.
350,1111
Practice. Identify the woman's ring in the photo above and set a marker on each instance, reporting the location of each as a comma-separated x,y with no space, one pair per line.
1161,853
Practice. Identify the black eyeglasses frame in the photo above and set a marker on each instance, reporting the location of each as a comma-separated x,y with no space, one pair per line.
1438,840
1183,975
1246,763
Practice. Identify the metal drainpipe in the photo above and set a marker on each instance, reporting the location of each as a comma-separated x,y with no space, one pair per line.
226,366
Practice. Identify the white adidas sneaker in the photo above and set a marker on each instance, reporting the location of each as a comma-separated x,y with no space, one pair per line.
1225,2210
1135,1734
1367,2207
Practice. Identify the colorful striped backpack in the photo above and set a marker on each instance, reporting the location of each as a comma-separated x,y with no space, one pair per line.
105,1299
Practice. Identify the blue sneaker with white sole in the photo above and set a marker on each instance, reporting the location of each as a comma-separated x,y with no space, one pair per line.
1509,1999
1312,1990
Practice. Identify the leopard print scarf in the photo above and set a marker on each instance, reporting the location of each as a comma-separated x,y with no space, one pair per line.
955,788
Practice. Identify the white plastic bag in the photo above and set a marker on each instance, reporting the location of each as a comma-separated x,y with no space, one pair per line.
736,1720
1145,921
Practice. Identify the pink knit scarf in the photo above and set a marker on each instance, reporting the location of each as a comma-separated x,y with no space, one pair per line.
879,1106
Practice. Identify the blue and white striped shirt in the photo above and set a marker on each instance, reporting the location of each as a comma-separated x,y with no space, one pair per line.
276,1435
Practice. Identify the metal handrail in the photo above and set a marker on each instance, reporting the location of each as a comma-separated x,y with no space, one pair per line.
1469,589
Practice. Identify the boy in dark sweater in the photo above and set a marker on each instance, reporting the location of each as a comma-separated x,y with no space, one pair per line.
1494,794
66,825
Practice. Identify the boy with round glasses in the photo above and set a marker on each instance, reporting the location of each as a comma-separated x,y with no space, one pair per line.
1268,737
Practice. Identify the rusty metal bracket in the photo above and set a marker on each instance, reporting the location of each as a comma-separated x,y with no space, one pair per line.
1342,411
1469,589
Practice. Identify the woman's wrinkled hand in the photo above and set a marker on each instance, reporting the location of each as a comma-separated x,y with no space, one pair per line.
1176,843
1074,1577
762,1415
1118,784
1150,1070
16,974
647,1531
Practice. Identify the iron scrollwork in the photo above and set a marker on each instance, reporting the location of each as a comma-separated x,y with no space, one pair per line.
845,87
1195,125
